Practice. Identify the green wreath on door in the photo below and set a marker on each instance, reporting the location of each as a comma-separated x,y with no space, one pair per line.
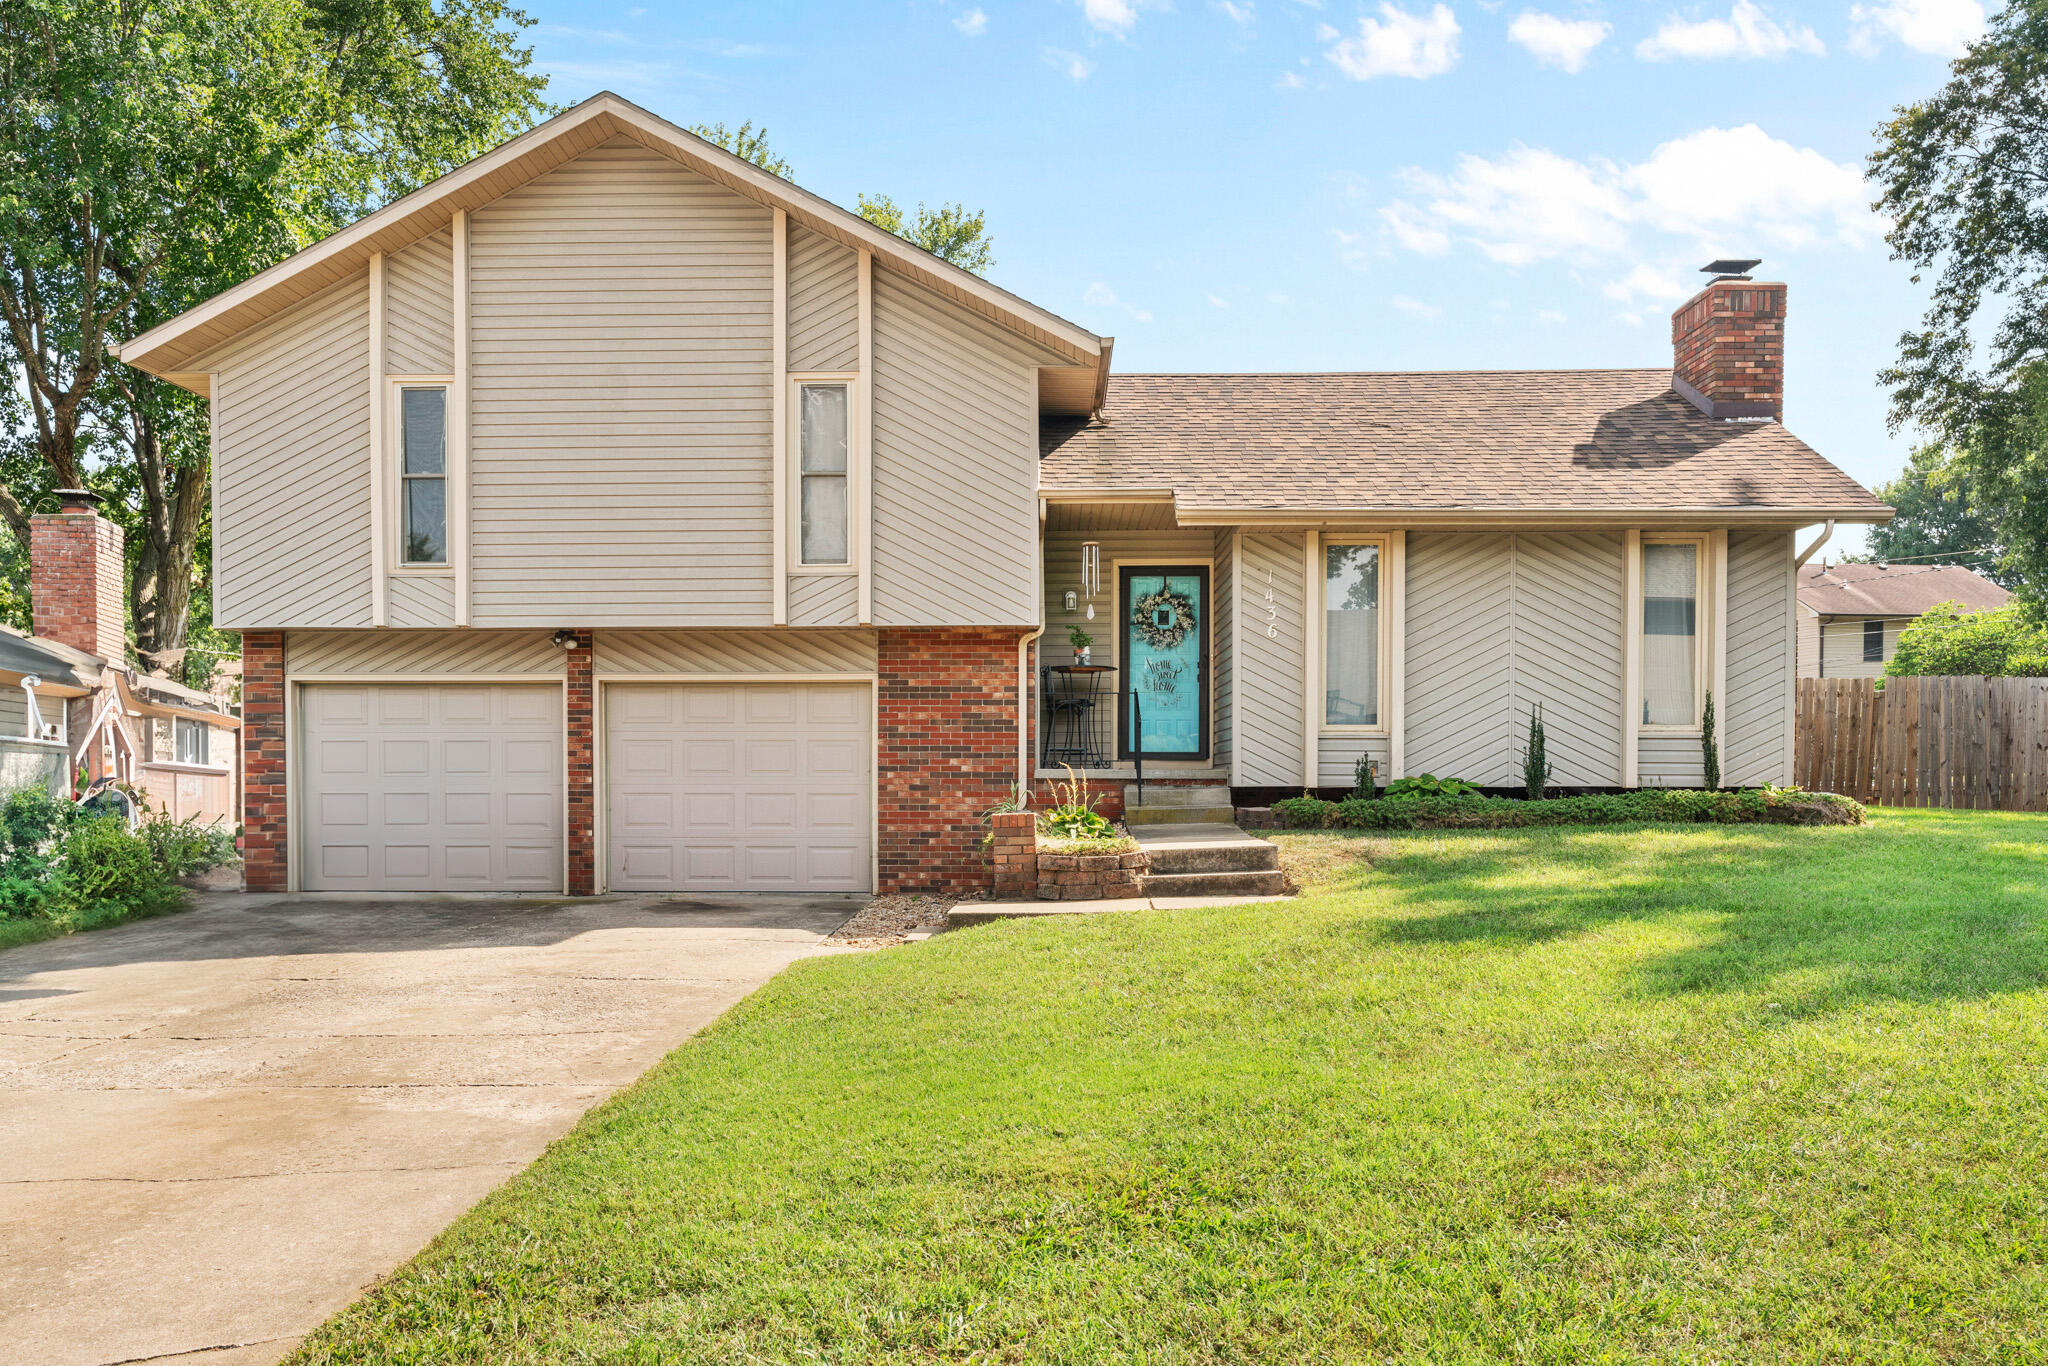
1163,619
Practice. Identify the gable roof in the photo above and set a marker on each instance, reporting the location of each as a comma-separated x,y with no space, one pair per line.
1894,590
53,661
1595,445
166,349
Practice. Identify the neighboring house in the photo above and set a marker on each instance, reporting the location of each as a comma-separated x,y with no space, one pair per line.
71,704
1850,615
611,514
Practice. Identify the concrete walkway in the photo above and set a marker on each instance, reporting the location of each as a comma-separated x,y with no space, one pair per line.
216,1129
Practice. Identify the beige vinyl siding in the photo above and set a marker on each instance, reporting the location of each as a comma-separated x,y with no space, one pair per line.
1808,633
620,424
1337,757
824,305
1063,574
1670,761
1460,680
1567,654
734,652
291,460
824,600
955,464
1223,596
1842,646
1270,722
424,652
14,712
419,308
1753,718
422,600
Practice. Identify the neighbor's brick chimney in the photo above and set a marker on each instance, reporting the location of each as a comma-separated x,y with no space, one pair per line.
1728,349
78,578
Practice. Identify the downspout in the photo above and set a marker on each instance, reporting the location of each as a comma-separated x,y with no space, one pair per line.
1024,644
1820,665
1818,542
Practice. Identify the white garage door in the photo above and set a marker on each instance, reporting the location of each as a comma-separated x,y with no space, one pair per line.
757,787
431,787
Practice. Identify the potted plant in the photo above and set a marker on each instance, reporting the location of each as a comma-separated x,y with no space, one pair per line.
1080,640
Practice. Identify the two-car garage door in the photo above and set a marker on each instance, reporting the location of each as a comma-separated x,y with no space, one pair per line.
709,787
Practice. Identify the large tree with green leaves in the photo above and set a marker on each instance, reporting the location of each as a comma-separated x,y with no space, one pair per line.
1940,518
948,232
1964,177
154,152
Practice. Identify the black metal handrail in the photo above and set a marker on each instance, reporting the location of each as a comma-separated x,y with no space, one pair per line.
1069,734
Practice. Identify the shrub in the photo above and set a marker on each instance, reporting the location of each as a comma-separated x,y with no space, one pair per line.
1365,778
1535,757
1947,640
75,867
1710,748
1788,806
182,848
107,867
32,828
1429,785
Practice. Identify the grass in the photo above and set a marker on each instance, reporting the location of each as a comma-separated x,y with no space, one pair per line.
18,930
1678,1094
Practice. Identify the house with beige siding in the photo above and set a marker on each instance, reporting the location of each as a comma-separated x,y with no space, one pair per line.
1850,615
611,514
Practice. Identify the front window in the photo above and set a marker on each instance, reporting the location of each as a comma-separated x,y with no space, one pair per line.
1873,642
1351,635
423,476
821,470
1671,634
190,741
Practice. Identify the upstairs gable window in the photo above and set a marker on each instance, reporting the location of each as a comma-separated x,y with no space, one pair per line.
423,475
822,474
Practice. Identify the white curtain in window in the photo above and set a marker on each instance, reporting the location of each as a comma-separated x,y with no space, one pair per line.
822,470
1671,637
1351,635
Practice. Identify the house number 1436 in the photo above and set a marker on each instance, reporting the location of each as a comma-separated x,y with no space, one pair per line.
1272,610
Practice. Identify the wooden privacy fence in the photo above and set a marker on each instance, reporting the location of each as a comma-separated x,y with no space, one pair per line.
1968,742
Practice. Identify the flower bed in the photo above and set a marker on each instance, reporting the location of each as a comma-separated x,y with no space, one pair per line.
1764,805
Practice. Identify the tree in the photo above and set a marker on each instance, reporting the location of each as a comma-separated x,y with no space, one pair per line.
1964,178
154,152
1945,640
948,232
1939,519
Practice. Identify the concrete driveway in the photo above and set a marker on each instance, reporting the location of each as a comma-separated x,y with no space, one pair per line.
216,1129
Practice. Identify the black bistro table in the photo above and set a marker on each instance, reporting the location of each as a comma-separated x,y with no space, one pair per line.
1077,698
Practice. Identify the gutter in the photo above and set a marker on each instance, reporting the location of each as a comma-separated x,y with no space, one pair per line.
1818,542
1024,644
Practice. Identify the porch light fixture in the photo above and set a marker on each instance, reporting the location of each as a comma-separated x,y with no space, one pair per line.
1091,572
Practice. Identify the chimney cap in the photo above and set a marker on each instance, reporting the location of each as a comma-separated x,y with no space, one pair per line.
77,500
1730,269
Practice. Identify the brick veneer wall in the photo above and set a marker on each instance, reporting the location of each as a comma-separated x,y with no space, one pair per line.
1728,342
266,832
1015,852
78,579
581,771
947,752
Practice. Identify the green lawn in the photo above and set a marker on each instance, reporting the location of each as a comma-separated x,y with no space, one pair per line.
1687,1094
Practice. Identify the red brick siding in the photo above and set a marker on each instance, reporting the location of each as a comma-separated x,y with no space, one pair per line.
1015,854
947,752
1728,342
78,580
266,834
581,769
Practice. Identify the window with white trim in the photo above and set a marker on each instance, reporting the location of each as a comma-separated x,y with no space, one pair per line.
1673,663
823,473
423,474
1352,653
1873,641
188,740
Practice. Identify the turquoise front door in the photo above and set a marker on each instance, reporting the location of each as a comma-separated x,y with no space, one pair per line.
1165,714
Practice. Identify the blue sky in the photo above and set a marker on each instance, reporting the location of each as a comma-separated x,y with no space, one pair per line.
1285,185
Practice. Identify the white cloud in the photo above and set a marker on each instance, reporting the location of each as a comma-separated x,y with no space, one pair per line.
1117,16
1562,43
1289,80
1237,13
1219,301
1073,64
974,23
1100,295
1719,191
1940,28
1353,248
1396,44
1415,308
1746,32
1552,317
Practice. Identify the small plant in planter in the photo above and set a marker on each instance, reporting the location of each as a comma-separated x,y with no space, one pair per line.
1073,816
1081,641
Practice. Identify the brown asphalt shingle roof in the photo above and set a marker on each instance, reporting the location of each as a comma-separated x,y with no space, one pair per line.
1898,590
1483,441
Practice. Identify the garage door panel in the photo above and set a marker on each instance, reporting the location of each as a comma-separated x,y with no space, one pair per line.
467,795
769,790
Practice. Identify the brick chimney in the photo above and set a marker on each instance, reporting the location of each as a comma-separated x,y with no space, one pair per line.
78,579
1728,349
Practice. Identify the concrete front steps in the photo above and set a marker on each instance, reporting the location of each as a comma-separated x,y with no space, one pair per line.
1198,804
1205,858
